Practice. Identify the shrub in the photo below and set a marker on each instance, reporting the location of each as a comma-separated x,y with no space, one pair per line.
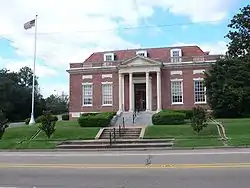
40,119
65,117
96,120
188,113
27,121
168,118
199,119
3,123
48,123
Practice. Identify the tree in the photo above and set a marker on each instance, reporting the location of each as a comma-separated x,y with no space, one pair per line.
3,123
57,104
48,124
199,119
15,94
239,35
227,82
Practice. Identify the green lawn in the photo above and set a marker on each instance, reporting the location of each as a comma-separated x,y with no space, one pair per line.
237,130
65,130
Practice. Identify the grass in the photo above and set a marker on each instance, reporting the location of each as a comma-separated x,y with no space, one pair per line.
237,130
65,130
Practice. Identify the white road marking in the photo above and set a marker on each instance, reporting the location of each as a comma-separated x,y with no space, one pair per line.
99,154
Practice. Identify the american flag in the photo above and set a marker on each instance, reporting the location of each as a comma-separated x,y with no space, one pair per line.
29,24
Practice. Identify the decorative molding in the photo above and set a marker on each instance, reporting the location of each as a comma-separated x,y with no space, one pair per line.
176,79
198,79
199,71
176,72
87,77
107,82
106,75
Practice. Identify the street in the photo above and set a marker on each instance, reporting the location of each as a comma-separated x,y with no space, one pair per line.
228,168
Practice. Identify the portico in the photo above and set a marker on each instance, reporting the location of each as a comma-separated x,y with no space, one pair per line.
139,70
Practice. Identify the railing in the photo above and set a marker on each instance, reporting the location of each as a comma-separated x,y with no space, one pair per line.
112,132
135,113
195,59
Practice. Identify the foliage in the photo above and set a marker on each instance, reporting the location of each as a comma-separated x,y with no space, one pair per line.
15,94
48,124
96,120
227,82
188,113
41,118
239,35
3,123
199,119
65,117
168,118
27,121
57,104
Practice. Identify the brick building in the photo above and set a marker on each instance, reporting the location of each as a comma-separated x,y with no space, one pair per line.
147,79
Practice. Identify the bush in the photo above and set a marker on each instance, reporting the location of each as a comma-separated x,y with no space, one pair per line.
48,123
199,119
3,123
40,119
168,118
27,121
188,113
96,120
65,117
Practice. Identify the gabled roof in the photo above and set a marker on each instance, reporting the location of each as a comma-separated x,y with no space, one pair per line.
160,54
136,61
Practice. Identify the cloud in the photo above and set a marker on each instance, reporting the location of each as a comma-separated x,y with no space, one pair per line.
69,31
219,47
54,88
16,65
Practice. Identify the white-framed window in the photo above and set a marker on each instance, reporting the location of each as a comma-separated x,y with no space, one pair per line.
199,91
87,94
143,53
107,94
176,55
109,57
177,91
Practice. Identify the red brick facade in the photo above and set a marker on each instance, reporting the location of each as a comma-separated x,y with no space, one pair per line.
96,71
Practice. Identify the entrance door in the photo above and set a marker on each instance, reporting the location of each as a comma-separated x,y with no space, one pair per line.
140,97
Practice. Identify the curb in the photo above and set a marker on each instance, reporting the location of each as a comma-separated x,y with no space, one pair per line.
123,149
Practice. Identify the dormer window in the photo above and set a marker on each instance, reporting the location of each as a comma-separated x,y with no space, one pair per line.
176,55
109,57
143,53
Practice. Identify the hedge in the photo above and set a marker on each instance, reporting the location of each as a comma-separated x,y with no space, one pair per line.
96,119
168,118
65,117
188,113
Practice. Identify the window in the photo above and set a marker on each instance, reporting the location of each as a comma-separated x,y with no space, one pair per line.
199,91
176,55
177,92
109,57
87,94
142,53
107,94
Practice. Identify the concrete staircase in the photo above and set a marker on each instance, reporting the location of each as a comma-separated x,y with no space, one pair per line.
125,133
141,119
121,144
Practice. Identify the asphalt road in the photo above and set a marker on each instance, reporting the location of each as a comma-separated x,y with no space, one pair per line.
189,169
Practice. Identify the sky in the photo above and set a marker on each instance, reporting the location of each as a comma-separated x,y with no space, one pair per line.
70,31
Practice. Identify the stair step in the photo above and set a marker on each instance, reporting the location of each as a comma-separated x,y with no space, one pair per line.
137,145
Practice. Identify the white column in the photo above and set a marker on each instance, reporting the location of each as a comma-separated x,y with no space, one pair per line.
120,92
123,94
147,91
159,91
131,108
150,94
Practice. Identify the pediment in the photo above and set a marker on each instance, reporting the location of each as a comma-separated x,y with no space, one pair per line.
140,61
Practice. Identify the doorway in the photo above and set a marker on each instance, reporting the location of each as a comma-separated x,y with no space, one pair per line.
140,96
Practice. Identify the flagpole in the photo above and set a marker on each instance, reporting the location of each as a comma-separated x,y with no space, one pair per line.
32,119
